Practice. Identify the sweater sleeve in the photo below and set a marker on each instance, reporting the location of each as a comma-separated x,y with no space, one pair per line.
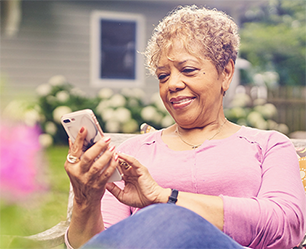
275,217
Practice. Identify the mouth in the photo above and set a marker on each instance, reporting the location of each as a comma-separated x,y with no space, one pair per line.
181,102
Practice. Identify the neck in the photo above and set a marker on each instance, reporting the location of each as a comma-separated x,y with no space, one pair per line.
205,129
192,137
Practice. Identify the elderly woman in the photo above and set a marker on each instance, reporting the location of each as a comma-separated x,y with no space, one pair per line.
233,186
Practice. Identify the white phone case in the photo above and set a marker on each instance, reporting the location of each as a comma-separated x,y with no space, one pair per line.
74,121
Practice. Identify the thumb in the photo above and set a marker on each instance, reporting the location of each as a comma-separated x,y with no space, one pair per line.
114,190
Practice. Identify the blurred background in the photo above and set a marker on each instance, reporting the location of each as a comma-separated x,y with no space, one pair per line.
58,56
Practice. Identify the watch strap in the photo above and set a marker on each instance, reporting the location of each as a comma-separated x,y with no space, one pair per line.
173,196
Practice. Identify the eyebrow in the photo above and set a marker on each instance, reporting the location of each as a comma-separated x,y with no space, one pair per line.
179,63
159,68
182,62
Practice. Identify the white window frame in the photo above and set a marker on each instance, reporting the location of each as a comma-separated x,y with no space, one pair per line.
95,66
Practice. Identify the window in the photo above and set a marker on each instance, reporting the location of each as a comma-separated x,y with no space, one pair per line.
116,40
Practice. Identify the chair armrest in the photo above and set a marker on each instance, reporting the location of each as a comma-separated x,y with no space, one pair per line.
54,234
47,239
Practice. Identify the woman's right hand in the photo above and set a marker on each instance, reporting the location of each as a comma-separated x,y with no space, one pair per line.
89,176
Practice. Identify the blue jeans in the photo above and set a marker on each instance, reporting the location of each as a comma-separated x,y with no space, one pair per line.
162,226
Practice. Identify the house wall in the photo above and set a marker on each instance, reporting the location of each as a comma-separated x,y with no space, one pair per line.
54,39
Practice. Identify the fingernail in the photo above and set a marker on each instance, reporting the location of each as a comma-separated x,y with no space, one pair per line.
106,139
82,130
112,148
116,157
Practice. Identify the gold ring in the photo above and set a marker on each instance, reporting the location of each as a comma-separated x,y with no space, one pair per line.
124,164
72,159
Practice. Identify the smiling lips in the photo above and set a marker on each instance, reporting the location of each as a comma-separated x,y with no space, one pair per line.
181,102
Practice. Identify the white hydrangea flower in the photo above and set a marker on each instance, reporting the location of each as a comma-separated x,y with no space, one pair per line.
45,140
270,110
238,112
104,104
259,102
122,115
107,114
127,92
51,99
156,99
272,125
130,126
77,92
31,117
117,101
138,93
256,120
267,111
105,93
259,79
59,112
133,102
253,117
57,80
44,89
149,113
283,128
167,121
261,124
112,126
50,128
62,96
241,100
158,118
271,78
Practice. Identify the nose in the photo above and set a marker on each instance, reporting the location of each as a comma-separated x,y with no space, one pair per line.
175,82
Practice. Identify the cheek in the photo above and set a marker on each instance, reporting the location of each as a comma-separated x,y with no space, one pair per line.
162,92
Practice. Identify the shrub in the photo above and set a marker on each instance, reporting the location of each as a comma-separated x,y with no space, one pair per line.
124,111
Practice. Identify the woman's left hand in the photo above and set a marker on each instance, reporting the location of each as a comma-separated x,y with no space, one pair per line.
140,188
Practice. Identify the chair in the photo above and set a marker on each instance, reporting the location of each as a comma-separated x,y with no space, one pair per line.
55,235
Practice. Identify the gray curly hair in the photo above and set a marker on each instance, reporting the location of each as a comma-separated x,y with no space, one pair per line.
212,30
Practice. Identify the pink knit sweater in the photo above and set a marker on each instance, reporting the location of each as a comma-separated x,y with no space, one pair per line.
255,172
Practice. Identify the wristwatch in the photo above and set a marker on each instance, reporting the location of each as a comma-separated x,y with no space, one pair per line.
173,196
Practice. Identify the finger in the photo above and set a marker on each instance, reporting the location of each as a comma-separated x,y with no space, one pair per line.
70,143
124,165
97,150
114,190
131,161
108,171
76,147
102,166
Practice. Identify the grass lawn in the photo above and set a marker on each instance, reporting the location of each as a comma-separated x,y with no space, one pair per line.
44,210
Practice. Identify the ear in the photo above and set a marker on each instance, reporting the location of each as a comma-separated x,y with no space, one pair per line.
227,74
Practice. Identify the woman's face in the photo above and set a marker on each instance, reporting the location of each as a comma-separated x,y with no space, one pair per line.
191,89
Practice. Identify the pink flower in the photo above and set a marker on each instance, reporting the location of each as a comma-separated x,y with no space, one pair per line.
19,150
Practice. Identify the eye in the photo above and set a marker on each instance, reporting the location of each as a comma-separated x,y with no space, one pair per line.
189,70
163,77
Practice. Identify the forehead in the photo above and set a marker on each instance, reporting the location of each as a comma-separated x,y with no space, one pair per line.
177,51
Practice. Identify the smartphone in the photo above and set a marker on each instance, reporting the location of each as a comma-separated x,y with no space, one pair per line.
74,121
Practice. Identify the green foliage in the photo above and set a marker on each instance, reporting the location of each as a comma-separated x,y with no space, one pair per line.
116,112
255,113
273,38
